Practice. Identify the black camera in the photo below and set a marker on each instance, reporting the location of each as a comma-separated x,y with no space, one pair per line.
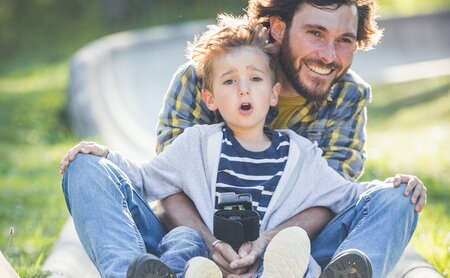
235,222
233,201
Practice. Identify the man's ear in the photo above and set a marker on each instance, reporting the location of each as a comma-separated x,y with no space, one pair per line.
277,28
208,98
275,93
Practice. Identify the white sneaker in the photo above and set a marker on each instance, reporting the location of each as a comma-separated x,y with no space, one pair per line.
201,267
287,255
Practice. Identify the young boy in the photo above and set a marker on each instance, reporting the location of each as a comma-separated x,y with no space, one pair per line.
282,171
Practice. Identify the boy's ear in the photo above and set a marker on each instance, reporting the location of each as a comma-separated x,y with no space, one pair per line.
275,93
208,98
277,28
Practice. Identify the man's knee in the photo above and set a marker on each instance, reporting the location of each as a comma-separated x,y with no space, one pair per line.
83,175
82,165
83,162
392,199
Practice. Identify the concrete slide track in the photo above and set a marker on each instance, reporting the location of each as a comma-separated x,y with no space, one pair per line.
118,82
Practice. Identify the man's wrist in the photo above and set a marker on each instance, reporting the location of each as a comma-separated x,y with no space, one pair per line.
267,236
105,152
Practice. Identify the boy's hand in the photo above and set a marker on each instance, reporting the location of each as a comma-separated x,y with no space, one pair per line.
82,147
413,184
249,253
223,254
248,259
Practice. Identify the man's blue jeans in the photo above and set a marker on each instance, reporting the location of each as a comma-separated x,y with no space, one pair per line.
115,224
380,224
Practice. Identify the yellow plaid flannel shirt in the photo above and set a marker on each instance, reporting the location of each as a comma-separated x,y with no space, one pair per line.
337,125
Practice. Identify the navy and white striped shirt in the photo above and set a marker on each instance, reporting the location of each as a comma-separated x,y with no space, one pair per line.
256,173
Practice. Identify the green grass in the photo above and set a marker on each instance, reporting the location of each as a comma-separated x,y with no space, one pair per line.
34,134
408,125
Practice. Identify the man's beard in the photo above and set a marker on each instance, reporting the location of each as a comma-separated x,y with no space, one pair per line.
311,93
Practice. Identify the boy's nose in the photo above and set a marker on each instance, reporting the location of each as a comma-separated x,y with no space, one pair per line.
244,90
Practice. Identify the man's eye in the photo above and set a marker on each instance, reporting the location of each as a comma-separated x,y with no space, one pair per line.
229,82
345,41
314,33
256,79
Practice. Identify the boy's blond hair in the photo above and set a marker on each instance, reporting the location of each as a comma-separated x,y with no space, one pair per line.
229,33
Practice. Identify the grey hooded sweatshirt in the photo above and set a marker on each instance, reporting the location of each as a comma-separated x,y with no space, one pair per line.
190,164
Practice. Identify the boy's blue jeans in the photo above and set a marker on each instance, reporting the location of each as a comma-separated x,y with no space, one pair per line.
115,224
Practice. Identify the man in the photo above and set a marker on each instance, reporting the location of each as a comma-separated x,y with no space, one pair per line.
335,120
321,99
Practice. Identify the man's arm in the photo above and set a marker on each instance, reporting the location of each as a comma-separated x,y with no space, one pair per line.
312,220
178,210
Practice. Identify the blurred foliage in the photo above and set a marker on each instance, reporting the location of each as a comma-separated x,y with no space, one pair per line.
28,28
411,7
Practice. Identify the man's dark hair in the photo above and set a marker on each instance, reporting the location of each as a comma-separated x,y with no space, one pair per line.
368,33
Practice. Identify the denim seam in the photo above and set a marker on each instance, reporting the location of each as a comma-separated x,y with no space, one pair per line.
365,213
137,234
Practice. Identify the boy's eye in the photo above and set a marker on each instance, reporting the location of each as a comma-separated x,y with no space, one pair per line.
229,81
256,79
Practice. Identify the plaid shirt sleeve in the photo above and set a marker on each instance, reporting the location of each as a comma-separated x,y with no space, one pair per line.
183,107
345,129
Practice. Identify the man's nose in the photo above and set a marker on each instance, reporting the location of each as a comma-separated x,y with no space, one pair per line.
328,52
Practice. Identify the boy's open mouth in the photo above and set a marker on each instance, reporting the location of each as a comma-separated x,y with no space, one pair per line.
246,106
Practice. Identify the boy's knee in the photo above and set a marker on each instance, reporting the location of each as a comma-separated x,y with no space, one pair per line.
183,236
183,232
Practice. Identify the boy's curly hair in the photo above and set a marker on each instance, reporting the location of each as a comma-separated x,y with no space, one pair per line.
229,33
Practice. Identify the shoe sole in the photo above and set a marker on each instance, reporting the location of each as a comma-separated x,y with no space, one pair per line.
149,268
200,267
287,255
351,263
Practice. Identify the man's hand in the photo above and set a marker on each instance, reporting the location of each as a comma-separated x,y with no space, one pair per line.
82,147
413,184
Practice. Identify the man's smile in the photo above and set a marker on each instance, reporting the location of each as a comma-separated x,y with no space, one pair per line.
319,69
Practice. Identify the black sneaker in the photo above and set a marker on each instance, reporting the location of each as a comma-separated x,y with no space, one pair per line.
351,263
149,266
